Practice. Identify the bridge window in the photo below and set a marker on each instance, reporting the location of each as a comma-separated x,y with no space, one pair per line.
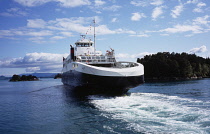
83,44
86,44
102,57
78,44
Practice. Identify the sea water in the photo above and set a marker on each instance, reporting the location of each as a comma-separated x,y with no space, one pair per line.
49,107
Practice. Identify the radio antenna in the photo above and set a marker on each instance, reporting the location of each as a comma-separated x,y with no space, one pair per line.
94,21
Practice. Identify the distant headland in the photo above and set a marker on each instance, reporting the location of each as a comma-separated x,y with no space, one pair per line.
23,78
174,66
58,76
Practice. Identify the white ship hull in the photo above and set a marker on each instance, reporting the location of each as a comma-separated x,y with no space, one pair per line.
103,79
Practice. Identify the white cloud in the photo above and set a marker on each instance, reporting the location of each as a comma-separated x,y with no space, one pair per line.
139,3
60,28
36,23
157,12
140,55
63,3
196,26
137,16
32,69
192,2
38,58
199,7
103,29
67,34
144,3
6,33
183,28
25,32
99,2
37,39
177,11
201,20
39,33
73,3
164,34
122,31
31,3
198,50
100,6
14,12
125,56
57,37
201,4
157,2
114,20
112,8
77,25
70,24
139,35
40,62
198,10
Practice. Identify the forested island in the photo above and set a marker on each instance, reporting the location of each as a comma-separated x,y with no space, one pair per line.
23,78
174,66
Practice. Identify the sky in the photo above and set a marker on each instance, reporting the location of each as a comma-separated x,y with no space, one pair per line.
35,35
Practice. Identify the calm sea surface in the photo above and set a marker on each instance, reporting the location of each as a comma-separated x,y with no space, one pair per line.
48,107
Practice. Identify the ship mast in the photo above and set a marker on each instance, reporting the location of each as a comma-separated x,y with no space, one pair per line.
94,21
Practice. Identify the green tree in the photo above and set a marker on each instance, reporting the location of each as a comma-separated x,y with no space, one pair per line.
15,78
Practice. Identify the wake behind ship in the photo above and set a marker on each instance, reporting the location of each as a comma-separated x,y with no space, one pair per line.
97,72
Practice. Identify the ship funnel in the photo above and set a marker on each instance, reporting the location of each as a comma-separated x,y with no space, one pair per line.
72,53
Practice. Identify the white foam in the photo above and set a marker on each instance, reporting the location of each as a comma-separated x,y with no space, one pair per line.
153,112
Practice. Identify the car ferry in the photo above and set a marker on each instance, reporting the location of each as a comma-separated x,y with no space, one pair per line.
98,72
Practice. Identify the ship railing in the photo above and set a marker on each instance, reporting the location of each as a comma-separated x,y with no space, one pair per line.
125,64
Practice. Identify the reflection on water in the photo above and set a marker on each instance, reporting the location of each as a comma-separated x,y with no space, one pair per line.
74,93
82,92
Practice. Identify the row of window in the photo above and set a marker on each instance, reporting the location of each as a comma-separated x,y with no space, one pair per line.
84,44
97,57
97,60
93,61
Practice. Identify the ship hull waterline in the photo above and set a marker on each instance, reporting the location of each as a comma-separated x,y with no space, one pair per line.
95,84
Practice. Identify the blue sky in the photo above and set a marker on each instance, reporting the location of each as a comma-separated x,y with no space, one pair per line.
36,34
